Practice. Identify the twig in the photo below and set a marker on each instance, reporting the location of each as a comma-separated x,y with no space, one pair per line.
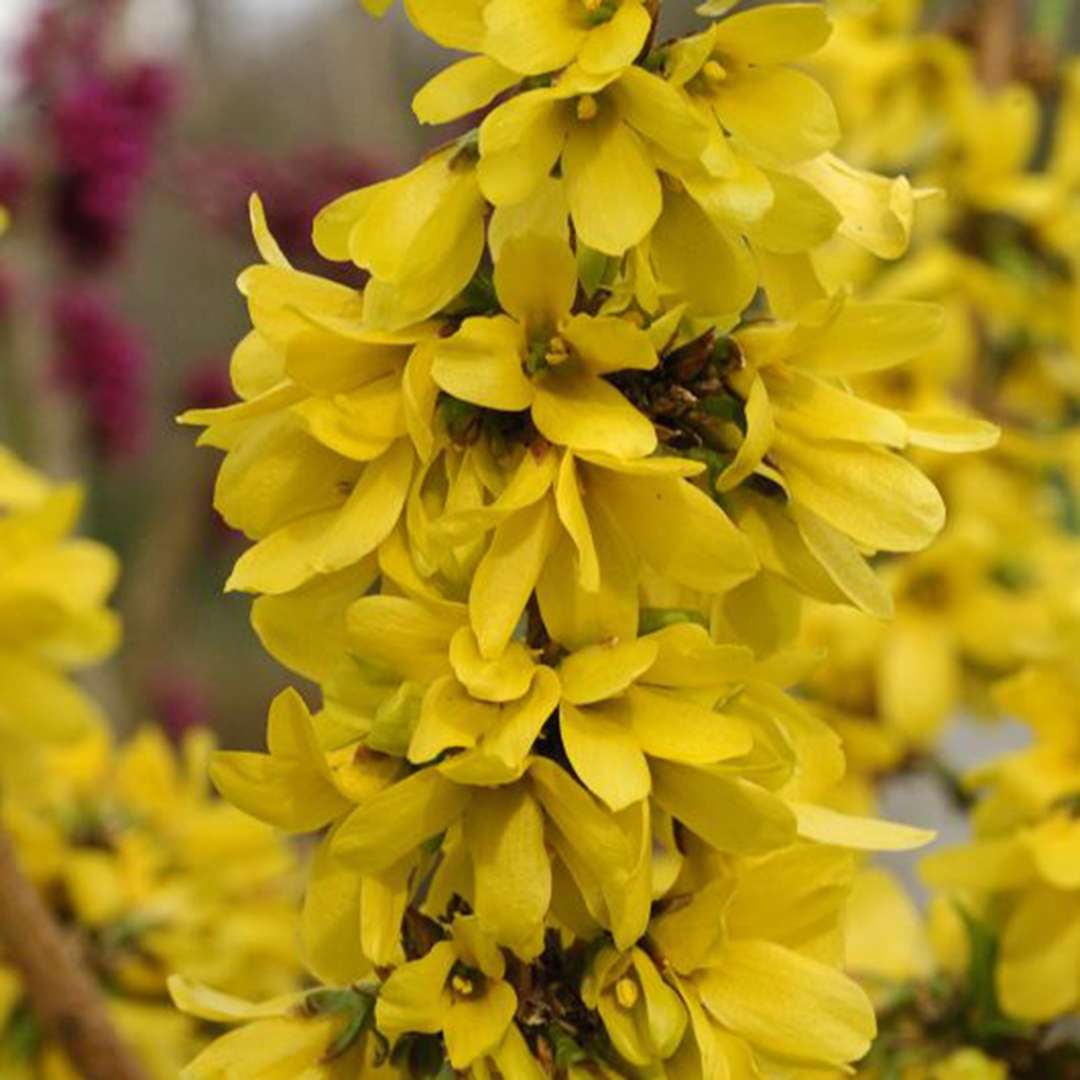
65,998
997,41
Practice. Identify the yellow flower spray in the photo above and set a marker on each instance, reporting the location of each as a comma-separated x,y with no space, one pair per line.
537,510
117,866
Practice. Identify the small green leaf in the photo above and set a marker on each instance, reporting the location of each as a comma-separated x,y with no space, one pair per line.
593,268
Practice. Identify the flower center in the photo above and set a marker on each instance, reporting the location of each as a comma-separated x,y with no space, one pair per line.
626,992
587,107
714,71
544,354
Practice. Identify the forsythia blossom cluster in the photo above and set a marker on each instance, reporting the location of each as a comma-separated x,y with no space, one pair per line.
53,590
986,618
150,875
148,872
537,510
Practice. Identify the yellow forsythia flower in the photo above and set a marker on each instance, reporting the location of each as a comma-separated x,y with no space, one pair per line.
129,846
53,590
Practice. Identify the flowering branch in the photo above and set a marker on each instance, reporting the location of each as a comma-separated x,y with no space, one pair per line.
64,997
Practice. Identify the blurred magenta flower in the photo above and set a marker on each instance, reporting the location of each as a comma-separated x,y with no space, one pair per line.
207,385
104,129
180,703
219,182
14,179
102,361
100,121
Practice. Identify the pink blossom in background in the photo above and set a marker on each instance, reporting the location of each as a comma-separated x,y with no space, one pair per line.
14,179
180,703
207,385
218,183
100,124
104,130
102,361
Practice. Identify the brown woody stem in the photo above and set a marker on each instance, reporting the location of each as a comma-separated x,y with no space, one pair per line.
997,41
65,999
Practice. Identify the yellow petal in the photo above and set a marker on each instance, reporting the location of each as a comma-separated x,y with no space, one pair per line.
325,542
520,142
264,240
398,820
505,678
678,729
275,1049
383,900
502,755
207,1004
536,281
688,657
583,412
462,88
482,363
543,213
575,519
844,564
360,425
779,114
1055,844
665,1013
871,336
605,344
602,671
727,812
334,224
877,498
605,753
611,184
793,897
330,921
530,482
950,434
760,428
532,36
1038,975
449,719
788,1003
655,109
590,836
798,219
776,34
291,787
415,997
614,44
40,703
990,865
918,673
877,211
476,1027
506,576
420,395
679,531
576,616
812,408
861,834
504,833
404,635
454,24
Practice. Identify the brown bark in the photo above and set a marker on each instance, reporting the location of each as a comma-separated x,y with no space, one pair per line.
998,34
64,997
